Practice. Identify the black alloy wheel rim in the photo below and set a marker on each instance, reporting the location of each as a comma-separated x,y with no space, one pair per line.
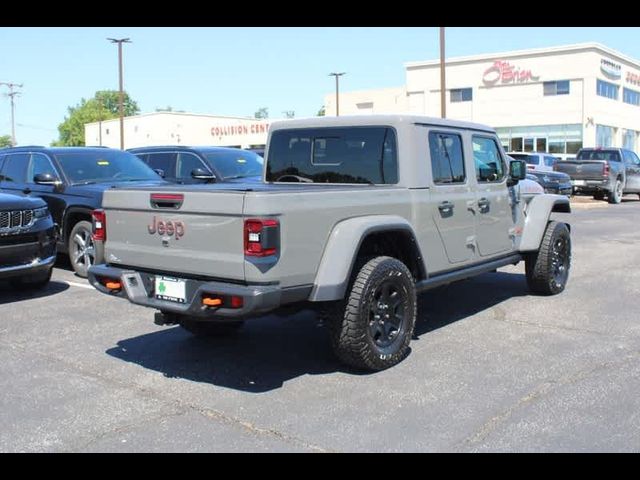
560,258
387,313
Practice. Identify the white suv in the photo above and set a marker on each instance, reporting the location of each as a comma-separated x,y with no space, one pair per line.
540,162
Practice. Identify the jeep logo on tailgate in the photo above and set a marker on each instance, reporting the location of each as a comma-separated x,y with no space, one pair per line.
168,228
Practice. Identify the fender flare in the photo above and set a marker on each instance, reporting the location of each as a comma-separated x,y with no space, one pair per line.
538,213
340,252
64,228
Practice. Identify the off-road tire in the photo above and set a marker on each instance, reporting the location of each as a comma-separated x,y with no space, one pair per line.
204,328
547,270
615,196
81,232
351,328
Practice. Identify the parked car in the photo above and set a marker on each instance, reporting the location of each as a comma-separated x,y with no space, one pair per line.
553,182
191,165
355,216
601,172
27,241
536,161
72,180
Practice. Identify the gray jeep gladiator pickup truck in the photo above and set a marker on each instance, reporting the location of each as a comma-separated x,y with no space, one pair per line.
354,217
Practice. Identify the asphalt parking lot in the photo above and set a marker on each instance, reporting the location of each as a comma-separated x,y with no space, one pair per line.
492,368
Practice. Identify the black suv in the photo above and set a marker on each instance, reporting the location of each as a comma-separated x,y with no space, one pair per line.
27,241
189,165
71,180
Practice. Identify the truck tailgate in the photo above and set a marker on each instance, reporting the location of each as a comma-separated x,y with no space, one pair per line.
176,236
582,169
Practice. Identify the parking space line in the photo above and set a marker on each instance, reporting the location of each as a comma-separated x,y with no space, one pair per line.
74,284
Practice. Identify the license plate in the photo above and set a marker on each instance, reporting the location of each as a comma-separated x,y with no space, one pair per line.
172,289
579,182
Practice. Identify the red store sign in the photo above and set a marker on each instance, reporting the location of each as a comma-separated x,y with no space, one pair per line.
242,129
633,78
505,73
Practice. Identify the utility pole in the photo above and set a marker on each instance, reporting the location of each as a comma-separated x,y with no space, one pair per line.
120,41
443,89
12,94
337,75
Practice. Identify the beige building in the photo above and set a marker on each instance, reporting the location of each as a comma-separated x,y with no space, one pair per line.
550,99
175,128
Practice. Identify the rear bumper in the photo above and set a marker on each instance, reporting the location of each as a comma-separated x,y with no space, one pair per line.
591,185
138,287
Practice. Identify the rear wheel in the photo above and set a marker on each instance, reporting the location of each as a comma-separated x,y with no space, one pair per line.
81,248
204,328
373,328
615,196
547,269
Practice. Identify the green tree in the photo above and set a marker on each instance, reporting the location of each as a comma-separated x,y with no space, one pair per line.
5,141
321,112
103,106
262,113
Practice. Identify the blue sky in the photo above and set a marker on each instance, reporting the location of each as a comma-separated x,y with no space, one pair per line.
234,70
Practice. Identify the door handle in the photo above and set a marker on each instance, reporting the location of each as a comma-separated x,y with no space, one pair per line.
445,206
484,203
26,190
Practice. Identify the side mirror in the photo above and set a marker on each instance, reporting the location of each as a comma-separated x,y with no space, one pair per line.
202,174
46,179
517,171
159,171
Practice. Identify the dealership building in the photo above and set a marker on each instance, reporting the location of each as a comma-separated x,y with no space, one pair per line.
178,128
554,100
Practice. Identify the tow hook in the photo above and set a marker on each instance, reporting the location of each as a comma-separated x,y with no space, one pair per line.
161,318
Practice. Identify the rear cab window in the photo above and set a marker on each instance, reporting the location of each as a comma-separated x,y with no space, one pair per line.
611,155
333,155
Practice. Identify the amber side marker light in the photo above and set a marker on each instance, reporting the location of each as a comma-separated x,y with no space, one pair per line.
211,301
111,283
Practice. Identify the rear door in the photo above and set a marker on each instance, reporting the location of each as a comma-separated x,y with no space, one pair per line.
494,213
165,161
632,166
451,197
38,164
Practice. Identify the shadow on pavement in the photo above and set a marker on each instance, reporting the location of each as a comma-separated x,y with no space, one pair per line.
8,294
273,350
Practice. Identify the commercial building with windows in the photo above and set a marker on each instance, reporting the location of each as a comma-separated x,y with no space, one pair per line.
177,128
554,100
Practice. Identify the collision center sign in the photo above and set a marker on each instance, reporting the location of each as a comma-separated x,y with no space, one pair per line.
503,72
240,129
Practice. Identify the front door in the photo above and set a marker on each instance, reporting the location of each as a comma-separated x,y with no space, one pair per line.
494,217
632,168
452,200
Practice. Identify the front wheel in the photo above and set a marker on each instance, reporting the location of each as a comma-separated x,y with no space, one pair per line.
82,252
547,269
373,329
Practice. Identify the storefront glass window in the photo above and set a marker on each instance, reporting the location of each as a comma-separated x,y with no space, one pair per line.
604,136
629,139
573,147
528,144
516,144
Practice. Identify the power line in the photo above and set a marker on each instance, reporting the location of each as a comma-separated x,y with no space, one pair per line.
12,94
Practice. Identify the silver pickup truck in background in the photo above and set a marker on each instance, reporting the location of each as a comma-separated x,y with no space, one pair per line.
609,172
355,216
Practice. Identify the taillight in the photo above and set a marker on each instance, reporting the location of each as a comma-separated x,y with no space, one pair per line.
99,230
261,237
605,169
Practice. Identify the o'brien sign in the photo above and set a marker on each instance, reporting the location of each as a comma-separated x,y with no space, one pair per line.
610,69
505,73
243,129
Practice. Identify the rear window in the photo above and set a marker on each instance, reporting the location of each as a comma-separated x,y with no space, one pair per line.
333,155
611,155
530,159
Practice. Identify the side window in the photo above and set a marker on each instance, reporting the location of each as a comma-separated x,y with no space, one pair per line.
187,163
447,160
165,162
15,168
635,158
549,161
486,156
39,164
627,157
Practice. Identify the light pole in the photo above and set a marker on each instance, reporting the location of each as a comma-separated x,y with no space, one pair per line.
12,94
443,91
337,75
120,41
